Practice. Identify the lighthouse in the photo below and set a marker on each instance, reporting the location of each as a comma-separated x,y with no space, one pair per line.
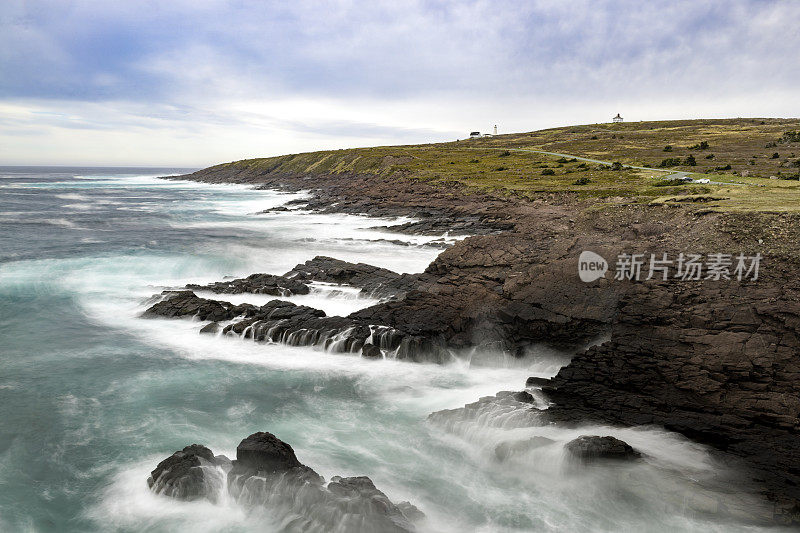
495,129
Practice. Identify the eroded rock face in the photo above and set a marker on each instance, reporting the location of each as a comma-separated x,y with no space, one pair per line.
267,473
188,474
593,448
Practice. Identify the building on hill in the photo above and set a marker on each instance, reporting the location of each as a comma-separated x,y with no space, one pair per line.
474,135
618,118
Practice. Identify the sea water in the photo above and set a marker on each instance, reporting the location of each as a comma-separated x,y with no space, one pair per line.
92,396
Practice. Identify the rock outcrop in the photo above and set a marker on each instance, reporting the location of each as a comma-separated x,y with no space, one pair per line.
373,281
188,474
256,284
267,473
593,448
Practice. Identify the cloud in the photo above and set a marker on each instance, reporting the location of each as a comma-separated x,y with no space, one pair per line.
380,72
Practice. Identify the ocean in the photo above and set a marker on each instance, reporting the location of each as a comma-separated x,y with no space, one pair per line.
92,396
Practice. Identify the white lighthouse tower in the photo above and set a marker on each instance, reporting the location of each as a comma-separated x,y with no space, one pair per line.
495,129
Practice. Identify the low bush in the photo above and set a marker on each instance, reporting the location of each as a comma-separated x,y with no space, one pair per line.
668,148
703,145
581,181
669,183
670,162
548,172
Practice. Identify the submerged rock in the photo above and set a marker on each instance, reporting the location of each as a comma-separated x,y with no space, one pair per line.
189,474
591,448
267,473
506,449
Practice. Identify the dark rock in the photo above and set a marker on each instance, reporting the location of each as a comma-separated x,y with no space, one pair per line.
177,304
188,474
211,328
595,448
256,284
374,281
533,381
371,351
264,451
523,396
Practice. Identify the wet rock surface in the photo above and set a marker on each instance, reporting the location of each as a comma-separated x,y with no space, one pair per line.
593,448
188,474
373,281
267,473
256,284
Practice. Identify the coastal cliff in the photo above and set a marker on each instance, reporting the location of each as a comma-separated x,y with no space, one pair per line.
715,360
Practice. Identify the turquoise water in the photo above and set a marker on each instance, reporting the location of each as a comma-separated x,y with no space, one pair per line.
92,396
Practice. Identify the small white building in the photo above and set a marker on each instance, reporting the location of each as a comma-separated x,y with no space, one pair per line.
618,118
474,135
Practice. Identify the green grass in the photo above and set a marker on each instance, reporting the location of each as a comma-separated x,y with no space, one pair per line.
493,164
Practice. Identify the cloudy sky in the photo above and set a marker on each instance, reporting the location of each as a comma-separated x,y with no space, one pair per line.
196,82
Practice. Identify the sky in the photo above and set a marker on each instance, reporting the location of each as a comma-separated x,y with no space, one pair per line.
196,82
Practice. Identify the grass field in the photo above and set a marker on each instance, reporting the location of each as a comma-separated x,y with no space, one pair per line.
739,151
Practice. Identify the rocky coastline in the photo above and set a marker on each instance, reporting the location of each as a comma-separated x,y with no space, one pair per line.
717,361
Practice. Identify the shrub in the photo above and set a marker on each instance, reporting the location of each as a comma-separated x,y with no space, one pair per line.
790,137
562,160
726,167
702,145
690,160
505,154
771,145
582,165
581,181
548,172
500,169
670,162
776,155
668,148
710,156
669,183
594,137
616,165
474,160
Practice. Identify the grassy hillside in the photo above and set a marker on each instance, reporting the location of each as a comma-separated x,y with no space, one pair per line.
747,152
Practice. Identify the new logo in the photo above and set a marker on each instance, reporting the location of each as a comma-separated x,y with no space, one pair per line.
591,266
